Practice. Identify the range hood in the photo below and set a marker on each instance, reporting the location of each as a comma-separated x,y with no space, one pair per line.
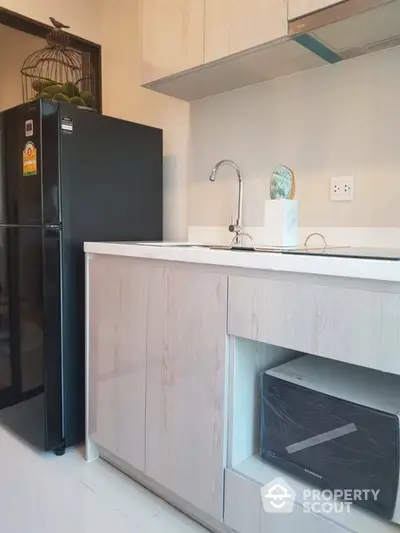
342,31
349,29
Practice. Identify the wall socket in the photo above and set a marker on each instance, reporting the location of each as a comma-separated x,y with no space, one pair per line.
342,189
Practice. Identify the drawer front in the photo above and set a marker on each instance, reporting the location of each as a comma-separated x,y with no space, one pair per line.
298,521
244,512
354,326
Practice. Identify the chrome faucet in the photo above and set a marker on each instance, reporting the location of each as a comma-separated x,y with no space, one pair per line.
236,226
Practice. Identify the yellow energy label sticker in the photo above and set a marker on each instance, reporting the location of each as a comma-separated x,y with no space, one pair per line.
29,159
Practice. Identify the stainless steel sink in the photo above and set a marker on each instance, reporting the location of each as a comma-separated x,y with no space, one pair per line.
228,247
232,248
279,249
164,244
254,248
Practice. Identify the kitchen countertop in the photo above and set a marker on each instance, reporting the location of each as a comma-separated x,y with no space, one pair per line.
372,269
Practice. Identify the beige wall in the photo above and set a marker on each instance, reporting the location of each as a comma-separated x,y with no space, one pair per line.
123,97
18,46
116,26
84,16
338,120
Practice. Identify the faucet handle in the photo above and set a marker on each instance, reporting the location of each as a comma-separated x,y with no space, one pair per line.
234,226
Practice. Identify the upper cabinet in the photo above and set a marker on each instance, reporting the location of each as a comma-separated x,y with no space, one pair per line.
233,26
298,8
172,37
193,49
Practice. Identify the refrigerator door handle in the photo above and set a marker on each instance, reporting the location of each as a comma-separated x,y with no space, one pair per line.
20,226
37,226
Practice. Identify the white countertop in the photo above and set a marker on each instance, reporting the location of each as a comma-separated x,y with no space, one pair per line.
329,266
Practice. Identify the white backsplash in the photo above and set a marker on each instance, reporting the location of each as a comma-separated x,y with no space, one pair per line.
338,120
334,236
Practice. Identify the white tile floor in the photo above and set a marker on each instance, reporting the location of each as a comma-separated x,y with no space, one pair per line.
41,493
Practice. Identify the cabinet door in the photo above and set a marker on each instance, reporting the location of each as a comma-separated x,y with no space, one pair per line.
232,26
298,8
186,349
117,355
172,37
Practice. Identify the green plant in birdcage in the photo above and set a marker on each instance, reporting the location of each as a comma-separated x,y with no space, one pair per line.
59,72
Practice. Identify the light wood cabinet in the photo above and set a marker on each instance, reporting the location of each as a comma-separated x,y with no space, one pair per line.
232,26
117,355
244,512
186,347
243,505
298,8
172,37
299,521
349,325
157,350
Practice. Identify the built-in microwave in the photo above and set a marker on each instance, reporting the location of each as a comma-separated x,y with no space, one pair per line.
335,426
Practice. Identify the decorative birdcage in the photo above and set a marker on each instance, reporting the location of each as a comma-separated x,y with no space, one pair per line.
59,72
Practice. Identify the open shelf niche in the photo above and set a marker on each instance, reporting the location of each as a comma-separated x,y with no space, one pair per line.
248,359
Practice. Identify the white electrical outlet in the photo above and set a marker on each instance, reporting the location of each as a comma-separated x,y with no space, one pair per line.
342,189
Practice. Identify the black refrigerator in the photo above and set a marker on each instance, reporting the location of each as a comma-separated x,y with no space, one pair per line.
67,175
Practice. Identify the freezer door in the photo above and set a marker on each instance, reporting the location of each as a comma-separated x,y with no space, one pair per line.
3,199
50,164
22,165
111,178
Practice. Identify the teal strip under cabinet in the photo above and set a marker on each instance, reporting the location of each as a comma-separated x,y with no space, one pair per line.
318,48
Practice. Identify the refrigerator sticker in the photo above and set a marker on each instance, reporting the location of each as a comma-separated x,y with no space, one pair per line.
67,125
29,159
29,128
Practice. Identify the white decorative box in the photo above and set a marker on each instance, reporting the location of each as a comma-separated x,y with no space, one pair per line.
281,222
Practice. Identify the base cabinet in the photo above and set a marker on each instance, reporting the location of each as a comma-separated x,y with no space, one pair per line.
158,382
117,355
186,350
156,360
